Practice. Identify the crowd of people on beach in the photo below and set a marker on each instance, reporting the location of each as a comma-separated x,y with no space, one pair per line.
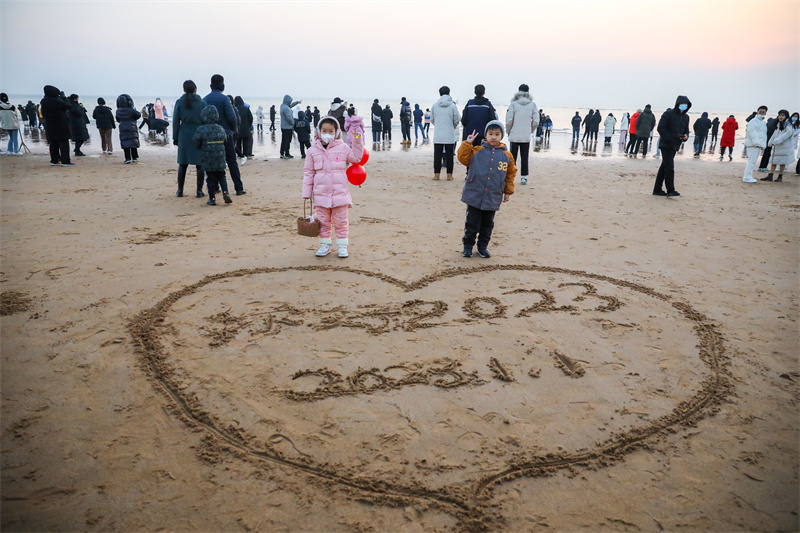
215,134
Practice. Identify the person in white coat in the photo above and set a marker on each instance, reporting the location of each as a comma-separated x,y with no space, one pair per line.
445,119
783,141
522,119
610,124
260,119
9,121
624,123
756,140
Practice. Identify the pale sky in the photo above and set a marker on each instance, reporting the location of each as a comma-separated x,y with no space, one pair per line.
722,54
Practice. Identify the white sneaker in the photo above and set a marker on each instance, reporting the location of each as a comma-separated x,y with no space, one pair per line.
342,251
750,180
18,153
324,249
244,160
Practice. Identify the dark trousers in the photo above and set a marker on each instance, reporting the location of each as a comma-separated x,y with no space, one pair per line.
480,223
78,145
215,181
303,146
32,122
666,172
145,121
730,150
699,142
131,154
237,146
765,157
631,143
427,127
713,138
405,128
523,152
387,131
376,134
260,127
643,141
59,151
286,141
233,166
448,150
244,146
576,133
272,124
182,176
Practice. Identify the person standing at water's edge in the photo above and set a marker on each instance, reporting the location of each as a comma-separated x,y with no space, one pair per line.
522,119
672,131
128,132
104,120
272,114
287,126
645,123
728,139
9,121
419,114
32,113
609,126
54,107
386,126
226,117
260,120
701,127
187,118
756,140
376,121
576,126
632,132
714,130
405,120
245,128
623,128
445,118
77,124
588,120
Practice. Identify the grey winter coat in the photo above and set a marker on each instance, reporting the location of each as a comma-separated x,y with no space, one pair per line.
445,119
210,139
185,121
126,118
287,118
522,118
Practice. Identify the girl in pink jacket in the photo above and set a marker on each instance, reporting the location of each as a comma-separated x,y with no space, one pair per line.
325,180
353,124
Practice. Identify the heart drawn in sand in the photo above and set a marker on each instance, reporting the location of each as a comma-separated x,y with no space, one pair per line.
436,390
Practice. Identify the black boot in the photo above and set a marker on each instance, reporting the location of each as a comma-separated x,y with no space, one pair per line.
181,180
768,178
779,178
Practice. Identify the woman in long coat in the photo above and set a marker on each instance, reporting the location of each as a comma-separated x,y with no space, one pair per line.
783,142
128,132
728,139
185,121
610,123
77,123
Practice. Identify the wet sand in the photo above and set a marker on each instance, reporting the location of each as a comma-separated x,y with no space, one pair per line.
622,361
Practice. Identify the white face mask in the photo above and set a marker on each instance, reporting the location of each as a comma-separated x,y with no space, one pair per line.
760,117
326,137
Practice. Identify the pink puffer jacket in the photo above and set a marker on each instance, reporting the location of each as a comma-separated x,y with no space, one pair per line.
324,174
352,125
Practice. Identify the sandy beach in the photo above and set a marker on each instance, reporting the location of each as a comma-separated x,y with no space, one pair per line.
622,362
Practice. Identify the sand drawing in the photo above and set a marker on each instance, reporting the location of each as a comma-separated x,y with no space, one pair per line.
470,501
13,302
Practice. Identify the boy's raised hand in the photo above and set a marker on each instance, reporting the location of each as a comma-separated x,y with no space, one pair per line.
471,136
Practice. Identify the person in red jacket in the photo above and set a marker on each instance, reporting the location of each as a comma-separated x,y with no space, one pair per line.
729,128
632,131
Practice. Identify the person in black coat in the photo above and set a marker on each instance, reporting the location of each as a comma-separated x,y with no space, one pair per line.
32,112
272,118
596,120
316,114
377,117
77,124
772,125
701,127
386,126
714,130
55,107
245,128
673,129
104,120
588,120
126,116
303,129
576,126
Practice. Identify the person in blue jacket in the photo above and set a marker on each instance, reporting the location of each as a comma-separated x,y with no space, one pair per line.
227,119
478,112
418,114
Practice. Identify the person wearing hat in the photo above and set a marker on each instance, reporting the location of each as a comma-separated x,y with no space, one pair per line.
337,111
489,182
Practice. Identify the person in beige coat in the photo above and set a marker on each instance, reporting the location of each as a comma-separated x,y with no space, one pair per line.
522,119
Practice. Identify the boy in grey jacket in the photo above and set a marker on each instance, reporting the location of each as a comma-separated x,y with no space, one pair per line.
490,181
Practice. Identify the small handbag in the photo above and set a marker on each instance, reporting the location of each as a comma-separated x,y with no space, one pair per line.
307,225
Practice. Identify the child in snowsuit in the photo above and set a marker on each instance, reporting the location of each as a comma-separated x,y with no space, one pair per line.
211,138
325,180
490,181
353,124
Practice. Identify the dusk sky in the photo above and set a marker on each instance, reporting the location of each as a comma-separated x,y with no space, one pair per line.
723,55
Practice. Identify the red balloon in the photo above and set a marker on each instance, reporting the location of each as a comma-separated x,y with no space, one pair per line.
364,159
356,174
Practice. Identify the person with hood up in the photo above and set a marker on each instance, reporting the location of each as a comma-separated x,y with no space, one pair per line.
30,109
645,123
77,124
588,120
419,114
489,182
728,139
337,111
212,139
54,107
226,117
405,120
376,121
287,126
260,120
445,119
353,125
701,127
9,121
245,129
714,130
104,120
185,122
128,132
303,129
672,131
756,139
595,125
478,112
272,114
623,128
386,123
576,126
522,119
325,180
609,126
783,142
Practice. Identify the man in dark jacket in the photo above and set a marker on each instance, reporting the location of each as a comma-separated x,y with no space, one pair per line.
272,114
714,131
377,114
701,127
245,129
315,114
576,126
56,125
772,125
303,129
672,131
226,119
104,120
30,110
77,124
386,119
645,123
478,112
